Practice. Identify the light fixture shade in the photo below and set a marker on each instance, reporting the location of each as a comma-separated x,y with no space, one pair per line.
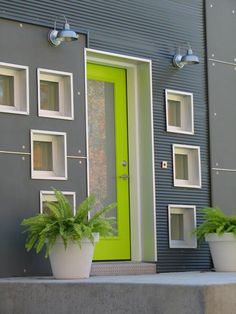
189,58
66,34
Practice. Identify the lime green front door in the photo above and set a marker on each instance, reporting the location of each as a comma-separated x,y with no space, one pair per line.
108,154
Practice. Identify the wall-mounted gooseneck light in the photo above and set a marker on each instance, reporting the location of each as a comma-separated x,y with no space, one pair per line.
55,37
179,61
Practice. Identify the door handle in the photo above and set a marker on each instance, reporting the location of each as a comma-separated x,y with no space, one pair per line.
124,176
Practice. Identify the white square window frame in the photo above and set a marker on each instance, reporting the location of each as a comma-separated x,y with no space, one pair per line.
48,136
189,225
50,196
58,77
195,175
187,118
21,88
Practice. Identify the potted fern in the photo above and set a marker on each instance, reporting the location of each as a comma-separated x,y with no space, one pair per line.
219,230
69,239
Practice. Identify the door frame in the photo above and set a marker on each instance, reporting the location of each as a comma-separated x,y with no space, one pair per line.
141,148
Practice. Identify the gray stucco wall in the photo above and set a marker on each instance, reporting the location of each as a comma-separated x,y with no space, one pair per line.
149,29
221,35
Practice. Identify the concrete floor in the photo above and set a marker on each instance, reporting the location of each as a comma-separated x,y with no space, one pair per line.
183,278
169,293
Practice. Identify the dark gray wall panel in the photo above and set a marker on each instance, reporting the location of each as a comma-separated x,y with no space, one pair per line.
28,46
20,193
151,29
20,199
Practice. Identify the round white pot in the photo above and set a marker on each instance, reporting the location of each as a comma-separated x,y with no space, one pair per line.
223,251
74,262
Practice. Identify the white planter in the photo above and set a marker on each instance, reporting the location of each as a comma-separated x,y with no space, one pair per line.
223,251
73,262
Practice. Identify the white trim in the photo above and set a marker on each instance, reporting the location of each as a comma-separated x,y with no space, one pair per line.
133,65
125,58
14,68
184,183
180,129
182,243
42,193
57,76
48,175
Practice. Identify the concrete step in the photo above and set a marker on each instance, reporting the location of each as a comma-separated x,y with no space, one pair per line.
122,268
173,293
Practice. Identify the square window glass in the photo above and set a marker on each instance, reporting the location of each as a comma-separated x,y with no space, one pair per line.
43,156
174,113
6,90
49,95
181,166
177,226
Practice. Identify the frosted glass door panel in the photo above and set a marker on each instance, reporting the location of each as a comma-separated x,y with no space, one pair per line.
102,153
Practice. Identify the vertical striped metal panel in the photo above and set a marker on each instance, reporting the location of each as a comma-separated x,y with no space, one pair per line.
151,29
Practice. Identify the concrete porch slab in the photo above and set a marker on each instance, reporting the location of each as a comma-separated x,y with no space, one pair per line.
170,293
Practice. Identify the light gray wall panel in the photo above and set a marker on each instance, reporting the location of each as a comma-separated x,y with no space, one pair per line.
222,94
221,27
224,187
221,37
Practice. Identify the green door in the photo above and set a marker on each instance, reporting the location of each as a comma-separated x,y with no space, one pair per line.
108,154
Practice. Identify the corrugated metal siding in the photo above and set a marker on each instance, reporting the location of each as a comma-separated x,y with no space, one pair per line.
151,29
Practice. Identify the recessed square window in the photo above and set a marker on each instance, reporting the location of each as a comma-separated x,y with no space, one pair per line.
14,88
179,112
182,222
186,166
48,155
49,196
55,94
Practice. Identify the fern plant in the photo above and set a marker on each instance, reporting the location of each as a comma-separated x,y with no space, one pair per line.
59,222
215,221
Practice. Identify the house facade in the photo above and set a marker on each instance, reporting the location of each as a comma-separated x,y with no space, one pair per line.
109,114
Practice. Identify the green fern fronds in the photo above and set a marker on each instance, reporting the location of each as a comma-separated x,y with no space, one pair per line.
215,221
59,221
